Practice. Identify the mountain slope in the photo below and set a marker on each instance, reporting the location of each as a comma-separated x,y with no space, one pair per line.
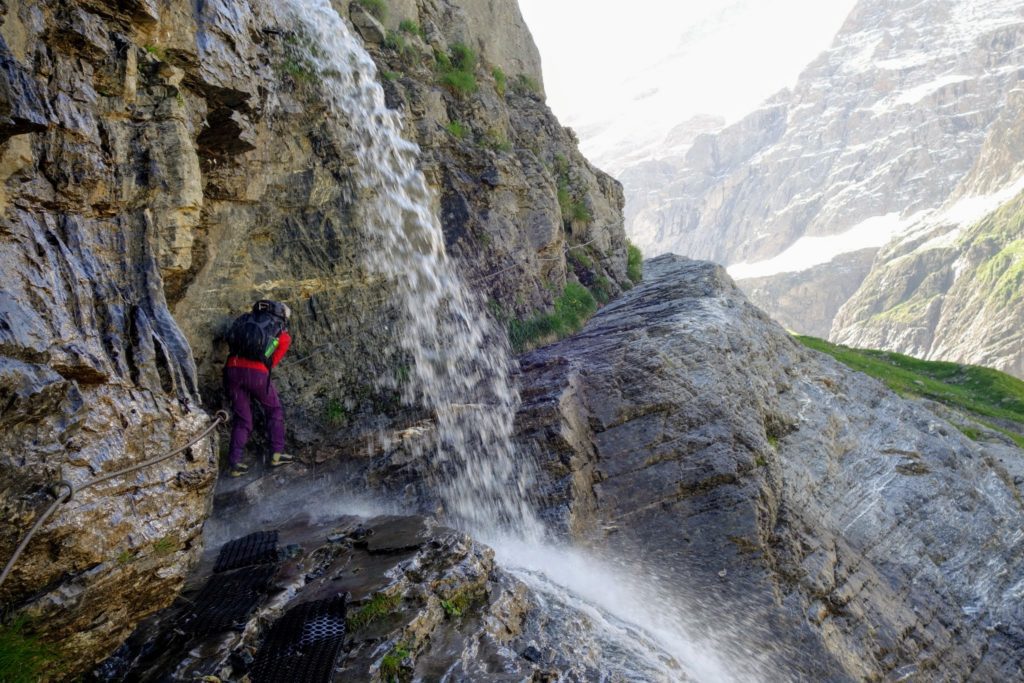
953,295
909,121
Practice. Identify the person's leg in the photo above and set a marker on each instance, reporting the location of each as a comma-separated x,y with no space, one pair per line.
235,387
274,411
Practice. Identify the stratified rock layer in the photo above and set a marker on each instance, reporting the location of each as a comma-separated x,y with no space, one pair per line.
172,157
865,537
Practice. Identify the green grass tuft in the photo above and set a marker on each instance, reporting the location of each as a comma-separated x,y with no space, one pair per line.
379,606
982,392
459,82
411,27
157,51
23,658
494,140
395,41
457,129
500,81
457,71
165,546
335,413
571,311
391,664
581,258
463,57
634,263
571,204
601,288
375,7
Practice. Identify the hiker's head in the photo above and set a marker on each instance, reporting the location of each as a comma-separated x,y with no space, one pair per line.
276,308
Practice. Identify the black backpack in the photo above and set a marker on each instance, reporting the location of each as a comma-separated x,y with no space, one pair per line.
254,336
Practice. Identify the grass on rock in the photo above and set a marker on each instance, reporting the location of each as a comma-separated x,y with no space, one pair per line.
989,395
571,311
457,70
379,606
23,658
634,263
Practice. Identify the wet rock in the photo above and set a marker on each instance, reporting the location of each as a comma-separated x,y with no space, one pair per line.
767,480
162,165
438,606
398,535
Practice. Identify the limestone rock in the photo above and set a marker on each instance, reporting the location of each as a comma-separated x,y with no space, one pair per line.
685,431
948,294
369,28
807,301
163,165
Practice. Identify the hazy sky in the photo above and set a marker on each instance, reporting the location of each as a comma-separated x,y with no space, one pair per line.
614,70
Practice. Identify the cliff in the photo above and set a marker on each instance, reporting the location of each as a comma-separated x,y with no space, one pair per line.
164,165
820,520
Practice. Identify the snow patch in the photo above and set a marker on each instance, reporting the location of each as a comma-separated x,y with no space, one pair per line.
808,252
915,95
965,212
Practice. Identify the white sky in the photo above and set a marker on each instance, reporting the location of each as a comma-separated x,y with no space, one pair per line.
626,73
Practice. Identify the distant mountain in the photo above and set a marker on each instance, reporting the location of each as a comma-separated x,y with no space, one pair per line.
906,127
947,294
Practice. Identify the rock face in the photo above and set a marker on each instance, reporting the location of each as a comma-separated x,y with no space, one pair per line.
951,293
162,165
686,430
911,118
808,300
423,603
95,375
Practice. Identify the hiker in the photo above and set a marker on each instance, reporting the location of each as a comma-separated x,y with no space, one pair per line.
257,341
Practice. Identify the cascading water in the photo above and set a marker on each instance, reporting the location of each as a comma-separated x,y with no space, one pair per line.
460,364
461,369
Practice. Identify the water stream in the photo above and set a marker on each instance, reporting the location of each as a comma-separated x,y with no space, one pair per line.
461,368
460,364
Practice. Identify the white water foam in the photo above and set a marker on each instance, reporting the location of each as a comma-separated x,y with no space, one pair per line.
649,622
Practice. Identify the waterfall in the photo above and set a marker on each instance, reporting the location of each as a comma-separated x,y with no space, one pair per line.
461,363
461,372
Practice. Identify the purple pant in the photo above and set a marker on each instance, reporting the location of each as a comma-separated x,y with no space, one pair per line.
243,385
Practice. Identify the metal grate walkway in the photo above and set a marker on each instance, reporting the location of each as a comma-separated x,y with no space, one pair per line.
303,645
257,548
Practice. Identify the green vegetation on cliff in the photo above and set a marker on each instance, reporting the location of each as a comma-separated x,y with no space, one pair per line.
570,199
1002,276
23,658
571,311
500,81
457,71
634,263
982,392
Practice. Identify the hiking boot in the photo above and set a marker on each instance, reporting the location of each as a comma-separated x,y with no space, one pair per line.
238,469
280,459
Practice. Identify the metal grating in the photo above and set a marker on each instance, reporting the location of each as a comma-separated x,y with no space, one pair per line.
303,645
257,548
227,600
